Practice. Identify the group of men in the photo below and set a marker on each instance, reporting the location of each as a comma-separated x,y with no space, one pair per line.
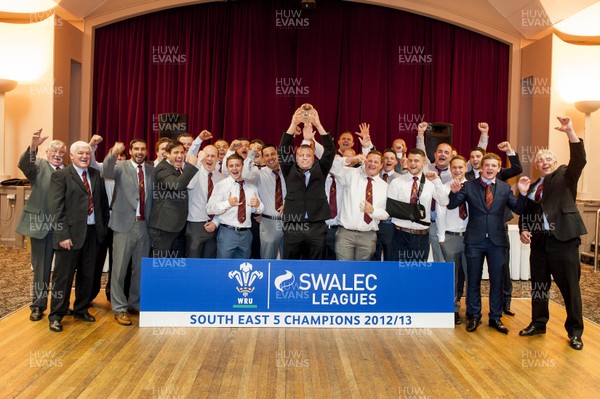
306,201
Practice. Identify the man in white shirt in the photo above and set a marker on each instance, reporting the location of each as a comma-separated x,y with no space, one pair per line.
201,228
452,224
364,200
271,185
234,200
409,204
385,234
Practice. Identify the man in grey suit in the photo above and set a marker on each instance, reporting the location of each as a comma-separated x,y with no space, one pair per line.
131,205
77,200
36,221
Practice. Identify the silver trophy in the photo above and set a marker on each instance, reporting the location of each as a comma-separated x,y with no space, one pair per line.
307,112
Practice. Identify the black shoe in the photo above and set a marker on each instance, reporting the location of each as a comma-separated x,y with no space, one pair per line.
36,314
472,324
85,317
576,343
497,324
507,311
531,330
457,319
69,312
55,326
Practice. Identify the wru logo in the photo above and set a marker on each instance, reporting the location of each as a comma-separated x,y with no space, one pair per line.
245,277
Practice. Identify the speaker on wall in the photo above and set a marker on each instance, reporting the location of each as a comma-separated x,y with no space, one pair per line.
436,134
172,125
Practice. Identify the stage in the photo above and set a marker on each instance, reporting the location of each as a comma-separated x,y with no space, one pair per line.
104,359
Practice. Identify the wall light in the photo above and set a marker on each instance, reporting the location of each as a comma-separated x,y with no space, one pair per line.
26,49
26,6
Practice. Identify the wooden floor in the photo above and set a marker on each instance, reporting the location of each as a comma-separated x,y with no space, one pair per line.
104,359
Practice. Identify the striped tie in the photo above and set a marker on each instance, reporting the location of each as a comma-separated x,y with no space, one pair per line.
89,193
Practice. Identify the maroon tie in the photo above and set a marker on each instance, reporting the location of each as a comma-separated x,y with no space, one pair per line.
385,177
278,191
369,198
220,166
242,203
489,197
332,198
57,167
462,211
538,192
142,191
89,193
211,186
414,191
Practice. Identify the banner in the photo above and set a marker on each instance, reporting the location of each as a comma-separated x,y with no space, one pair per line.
291,293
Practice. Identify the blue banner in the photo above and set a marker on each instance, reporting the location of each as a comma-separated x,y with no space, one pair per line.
286,293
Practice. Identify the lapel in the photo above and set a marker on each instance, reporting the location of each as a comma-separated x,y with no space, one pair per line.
75,176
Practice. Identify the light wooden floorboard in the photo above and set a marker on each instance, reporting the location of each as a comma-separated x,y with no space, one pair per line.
104,359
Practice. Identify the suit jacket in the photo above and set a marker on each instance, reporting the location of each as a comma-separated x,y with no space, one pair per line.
126,194
68,203
483,222
505,173
301,199
170,196
558,200
35,220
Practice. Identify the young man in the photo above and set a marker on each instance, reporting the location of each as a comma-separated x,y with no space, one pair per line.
271,185
413,191
234,200
553,226
306,208
385,234
36,221
485,237
201,229
452,225
170,200
363,206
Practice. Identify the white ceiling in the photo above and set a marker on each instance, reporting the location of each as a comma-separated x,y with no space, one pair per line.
527,19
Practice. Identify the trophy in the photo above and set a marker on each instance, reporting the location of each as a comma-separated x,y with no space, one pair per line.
307,112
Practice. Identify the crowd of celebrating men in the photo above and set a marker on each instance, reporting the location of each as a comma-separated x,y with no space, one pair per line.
309,200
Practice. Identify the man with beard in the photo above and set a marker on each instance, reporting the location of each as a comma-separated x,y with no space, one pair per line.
131,207
271,185
36,221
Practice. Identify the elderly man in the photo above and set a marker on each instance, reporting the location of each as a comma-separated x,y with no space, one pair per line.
77,200
36,221
553,226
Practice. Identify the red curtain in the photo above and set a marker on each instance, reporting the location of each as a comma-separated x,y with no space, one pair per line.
242,68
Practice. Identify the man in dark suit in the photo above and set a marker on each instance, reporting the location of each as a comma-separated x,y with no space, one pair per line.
485,236
78,202
170,200
306,207
553,226
505,173
36,221
131,205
